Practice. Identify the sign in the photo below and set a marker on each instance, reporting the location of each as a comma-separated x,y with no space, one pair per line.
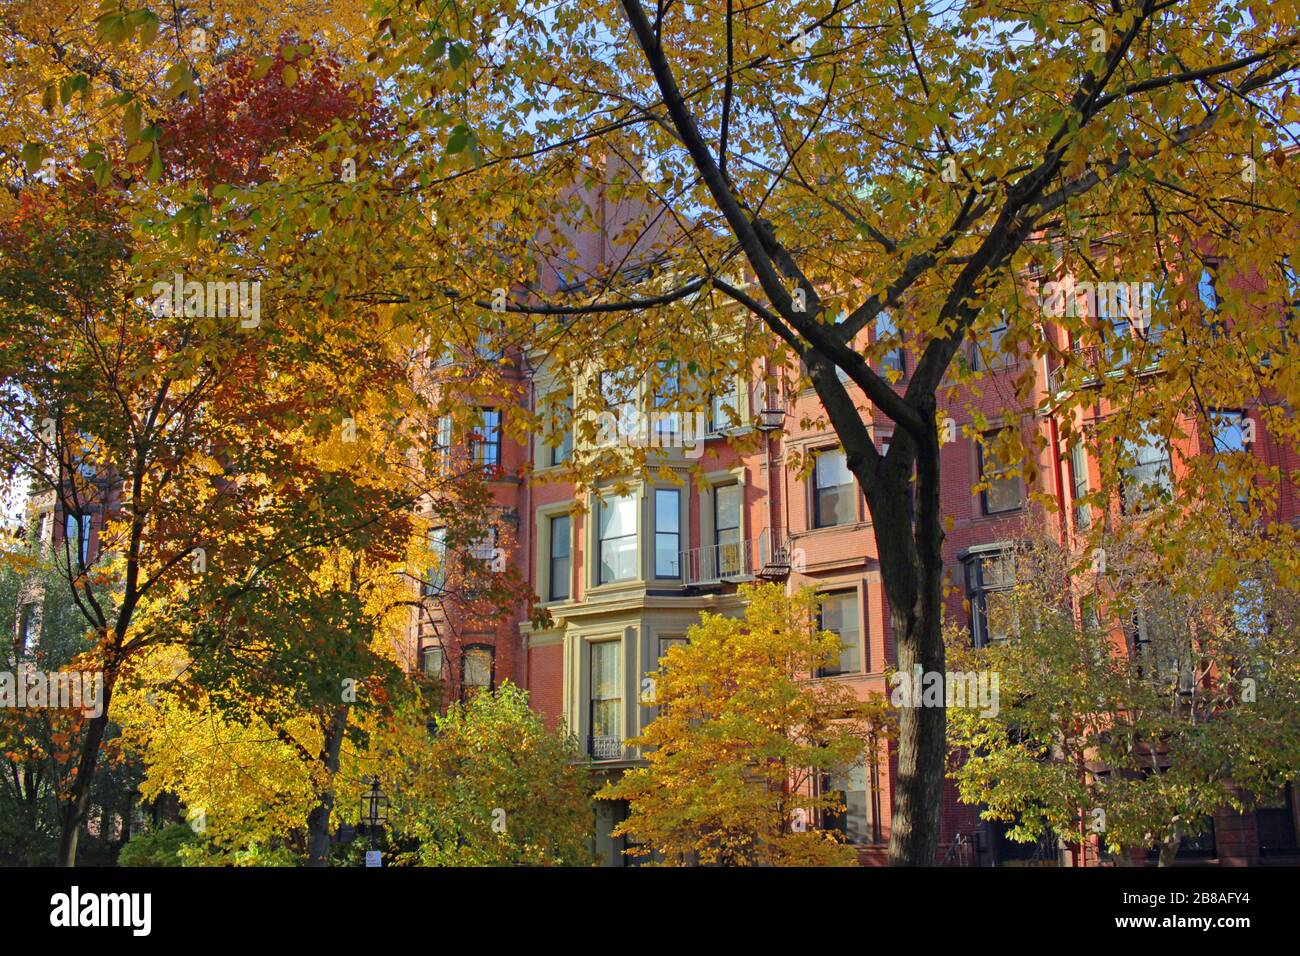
374,858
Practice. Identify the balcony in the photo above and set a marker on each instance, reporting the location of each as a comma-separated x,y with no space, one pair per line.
737,561
1084,365
605,748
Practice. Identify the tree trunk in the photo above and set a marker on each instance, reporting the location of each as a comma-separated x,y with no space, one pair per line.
909,541
73,812
318,821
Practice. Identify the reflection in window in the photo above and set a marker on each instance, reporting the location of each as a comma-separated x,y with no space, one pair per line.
1149,478
667,532
726,529
475,670
617,527
834,501
839,615
988,576
1005,492
558,543
606,701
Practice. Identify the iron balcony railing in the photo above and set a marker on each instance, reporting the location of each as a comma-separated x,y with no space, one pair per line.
733,561
605,747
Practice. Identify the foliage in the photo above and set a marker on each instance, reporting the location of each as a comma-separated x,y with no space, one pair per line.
494,787
1134,703
160,847
741,737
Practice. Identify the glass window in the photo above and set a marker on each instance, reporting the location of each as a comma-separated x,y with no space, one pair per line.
436,576
886,331
558,587
726,529
27,629
431,660
1275,822
1005,491
617,527
562,422
1149,476
839,615
1207,290
77,530
724,408
988,354
606,701
475,670
1079,483
988,575
853,790
620,399
667,532
485,439
834,501
667,399
668,643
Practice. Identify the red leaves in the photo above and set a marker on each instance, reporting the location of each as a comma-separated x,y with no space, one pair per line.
241,118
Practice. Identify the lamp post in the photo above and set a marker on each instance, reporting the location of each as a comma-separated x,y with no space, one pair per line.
374,814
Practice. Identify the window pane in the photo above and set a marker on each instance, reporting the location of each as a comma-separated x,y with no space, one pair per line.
1004,492
559,568
485,439
835,500
839,614
436,577
618,548
606,699
667,537
562,422
476,667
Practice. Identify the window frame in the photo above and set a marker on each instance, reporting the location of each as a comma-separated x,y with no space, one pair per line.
982,463
852,598
817,490
601,540
552,593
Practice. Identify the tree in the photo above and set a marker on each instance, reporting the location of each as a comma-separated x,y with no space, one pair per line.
743,741
1134,703
494,787
936,164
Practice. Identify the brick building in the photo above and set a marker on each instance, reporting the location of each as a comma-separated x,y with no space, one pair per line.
625,575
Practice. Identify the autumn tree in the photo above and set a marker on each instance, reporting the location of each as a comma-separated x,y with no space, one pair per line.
489,784
1137,697
743,739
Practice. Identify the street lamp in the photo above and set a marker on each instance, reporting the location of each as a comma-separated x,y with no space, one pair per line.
374,814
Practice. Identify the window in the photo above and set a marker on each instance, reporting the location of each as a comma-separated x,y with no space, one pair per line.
1079,485
1229,438
617,526
1113,314
485,439
668,643
886,330
485,552
558,543
854,791
834,502
606,701
27,629
726,529
77,531
988,575
668,539
667,393
561,422
839,615
1149,478
436,576
442,441
1164,654
1004,491
724,408
1207,290
620,399
475,670
431,660
987,355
